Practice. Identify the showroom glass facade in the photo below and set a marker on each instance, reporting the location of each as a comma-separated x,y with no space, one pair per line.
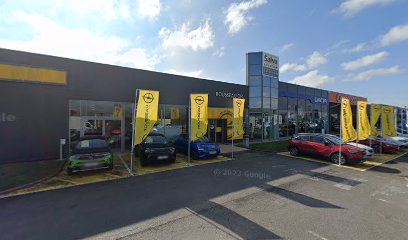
302,110
262,79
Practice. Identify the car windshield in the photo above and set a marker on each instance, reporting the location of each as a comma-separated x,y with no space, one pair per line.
336,140
155,140
91,143
202,140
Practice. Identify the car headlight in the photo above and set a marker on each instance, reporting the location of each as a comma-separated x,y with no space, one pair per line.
74,157
172,149
200,149
352,151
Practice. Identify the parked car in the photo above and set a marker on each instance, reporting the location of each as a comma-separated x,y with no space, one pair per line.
201,148
155,147
90,153
402,142
324,146
380,145
369,151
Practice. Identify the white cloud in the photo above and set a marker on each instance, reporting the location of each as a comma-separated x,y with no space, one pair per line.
149,8
358,48
364,61
195,74
312,61
200,38
367,75
219,52
394,35
350,8
236,16
312,79
315,59
285,47
108,9
53,39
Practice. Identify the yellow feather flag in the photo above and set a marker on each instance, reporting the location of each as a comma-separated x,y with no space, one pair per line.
375,115
363,125
199,115
147,114
347,130
239,104
388,122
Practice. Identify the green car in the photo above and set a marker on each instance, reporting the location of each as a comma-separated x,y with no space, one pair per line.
90,153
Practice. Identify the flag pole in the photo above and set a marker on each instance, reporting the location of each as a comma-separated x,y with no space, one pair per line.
341,129
133,130
233,131
189,131
357,122
371,122
381,125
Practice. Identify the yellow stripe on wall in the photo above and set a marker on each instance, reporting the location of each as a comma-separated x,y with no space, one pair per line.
20,73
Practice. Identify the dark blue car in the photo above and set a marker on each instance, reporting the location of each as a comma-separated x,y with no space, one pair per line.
201,148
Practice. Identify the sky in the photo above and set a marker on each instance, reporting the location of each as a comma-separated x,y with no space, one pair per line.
358,47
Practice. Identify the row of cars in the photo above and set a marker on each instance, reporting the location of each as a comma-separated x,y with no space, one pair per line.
94,152
328,146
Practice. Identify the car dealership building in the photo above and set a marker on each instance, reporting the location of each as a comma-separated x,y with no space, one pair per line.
46,100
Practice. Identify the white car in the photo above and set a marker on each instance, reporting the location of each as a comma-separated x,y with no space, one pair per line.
405,135
402,142
369,151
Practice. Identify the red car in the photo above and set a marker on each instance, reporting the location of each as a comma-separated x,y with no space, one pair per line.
320,145
377,145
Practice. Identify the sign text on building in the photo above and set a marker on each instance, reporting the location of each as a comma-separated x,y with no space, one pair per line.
270,65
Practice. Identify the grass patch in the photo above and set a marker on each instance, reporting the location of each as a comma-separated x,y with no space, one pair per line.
277,146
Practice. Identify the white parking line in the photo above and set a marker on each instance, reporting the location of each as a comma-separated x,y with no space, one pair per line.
343,186
317,235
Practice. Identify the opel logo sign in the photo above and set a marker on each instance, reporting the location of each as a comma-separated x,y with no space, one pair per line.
239,103
199,100
148,98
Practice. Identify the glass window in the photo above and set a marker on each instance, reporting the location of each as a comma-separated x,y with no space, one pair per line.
274,92
292,88
309,91
292,116
266,92
301,90
274,103
274,82
283,127
175,121
74,107
301,115
255,102
283,87
266,81
255,70
266,103
325,94
255,126
318,92
255,81
318,139
283,103
99,108
255,58
267,126
255,91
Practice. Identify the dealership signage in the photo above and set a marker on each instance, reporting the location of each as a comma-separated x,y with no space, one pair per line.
320,100
270,65
5,117
312,99
335,97
229,95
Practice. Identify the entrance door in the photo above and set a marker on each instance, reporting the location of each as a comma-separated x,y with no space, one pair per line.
217,130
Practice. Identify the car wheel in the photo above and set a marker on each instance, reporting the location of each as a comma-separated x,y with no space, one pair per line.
376,148
335,158
294,151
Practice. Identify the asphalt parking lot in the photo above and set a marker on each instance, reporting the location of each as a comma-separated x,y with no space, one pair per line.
120,170
255,196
